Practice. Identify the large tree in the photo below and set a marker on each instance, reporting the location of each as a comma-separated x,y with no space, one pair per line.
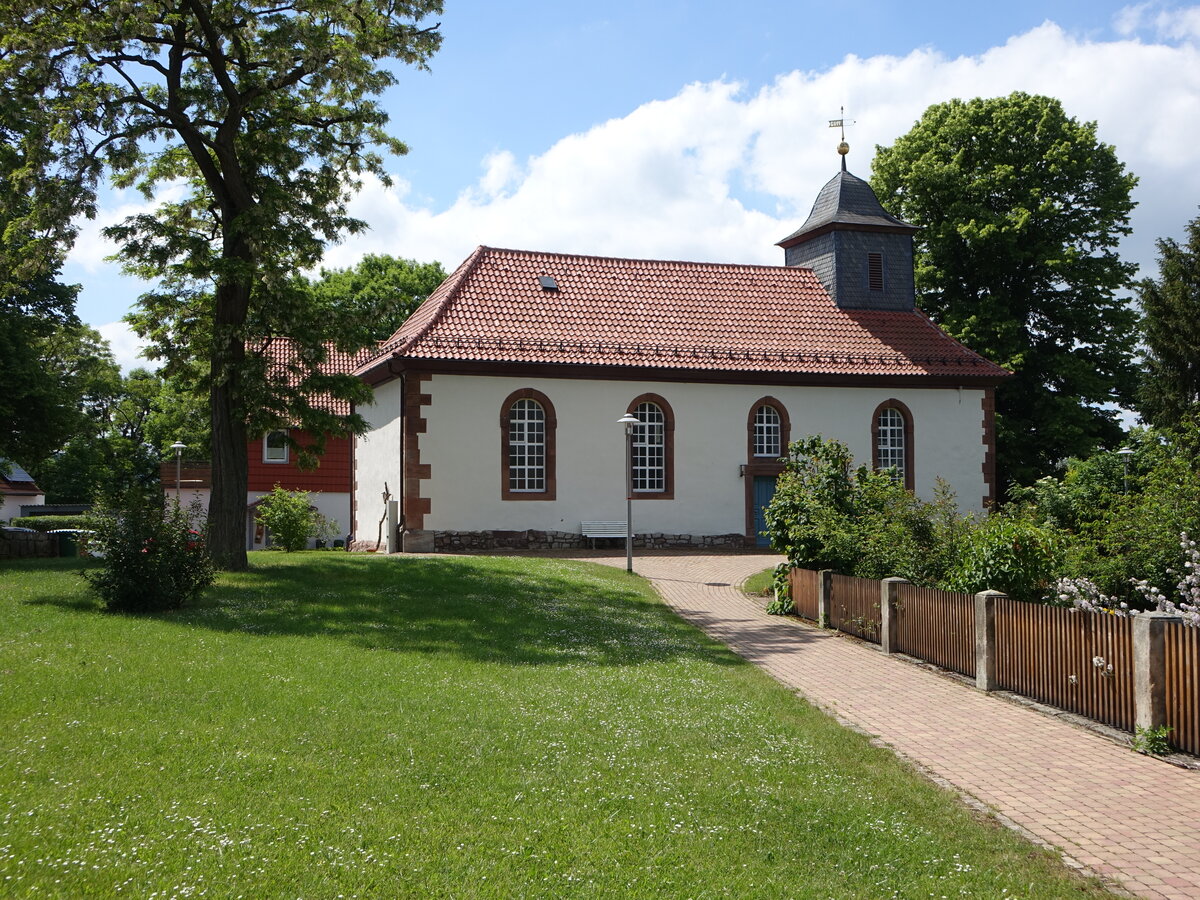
1021,208
1171,330
38,401
377,294
263,117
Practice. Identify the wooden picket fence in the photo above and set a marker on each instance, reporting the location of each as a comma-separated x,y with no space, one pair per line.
854,607
937,626
1077,661
806,588
1081,662
1181,646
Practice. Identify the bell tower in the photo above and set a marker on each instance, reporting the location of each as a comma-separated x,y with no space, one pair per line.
861,253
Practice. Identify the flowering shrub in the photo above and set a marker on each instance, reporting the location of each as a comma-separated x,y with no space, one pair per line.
155,558
1083,594
1187,607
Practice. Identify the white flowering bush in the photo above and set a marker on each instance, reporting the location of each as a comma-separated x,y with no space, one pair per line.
1084,595
1187,606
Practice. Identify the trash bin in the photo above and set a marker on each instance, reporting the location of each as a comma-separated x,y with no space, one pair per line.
68,542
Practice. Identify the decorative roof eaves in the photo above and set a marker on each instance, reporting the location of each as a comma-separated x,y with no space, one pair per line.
799,237
707,376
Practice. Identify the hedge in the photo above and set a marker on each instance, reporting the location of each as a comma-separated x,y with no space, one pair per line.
48,523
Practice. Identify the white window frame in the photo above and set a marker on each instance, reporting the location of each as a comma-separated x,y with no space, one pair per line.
526,447
267,449
649,449
889,447
768,432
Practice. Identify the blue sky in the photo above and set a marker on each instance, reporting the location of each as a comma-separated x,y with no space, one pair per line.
696,130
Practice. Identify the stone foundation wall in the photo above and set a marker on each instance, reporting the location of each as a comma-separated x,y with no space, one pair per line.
460,541
27,545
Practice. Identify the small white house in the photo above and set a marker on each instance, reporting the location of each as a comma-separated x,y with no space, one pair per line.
17,489
494,422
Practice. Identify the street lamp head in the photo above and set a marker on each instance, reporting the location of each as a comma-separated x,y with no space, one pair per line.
179,446
628,419
1125,452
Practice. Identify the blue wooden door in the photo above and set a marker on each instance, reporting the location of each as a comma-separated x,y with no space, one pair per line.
764,490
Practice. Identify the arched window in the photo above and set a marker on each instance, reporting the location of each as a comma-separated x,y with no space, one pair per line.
892,440
649,449
768,432
526,446
527,427
653,448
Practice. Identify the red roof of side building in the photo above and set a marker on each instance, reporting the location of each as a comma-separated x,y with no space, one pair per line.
657,314
282,363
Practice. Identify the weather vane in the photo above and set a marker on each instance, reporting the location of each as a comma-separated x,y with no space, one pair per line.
843,148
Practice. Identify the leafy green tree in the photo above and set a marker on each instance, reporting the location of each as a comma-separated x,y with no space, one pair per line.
267,116
292,520
1170,388
106,455
1021,208
1122,518
377,294
38,402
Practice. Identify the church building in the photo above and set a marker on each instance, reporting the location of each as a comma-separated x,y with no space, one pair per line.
495,419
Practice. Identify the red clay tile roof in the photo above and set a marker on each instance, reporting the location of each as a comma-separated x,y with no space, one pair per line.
669,315
281,358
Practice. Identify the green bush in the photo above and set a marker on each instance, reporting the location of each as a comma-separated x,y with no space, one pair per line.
49,523
781,604
1010,552
828,515
1114,535
154,558
292,520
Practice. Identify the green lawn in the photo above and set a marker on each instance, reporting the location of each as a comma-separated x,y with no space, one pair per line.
333,725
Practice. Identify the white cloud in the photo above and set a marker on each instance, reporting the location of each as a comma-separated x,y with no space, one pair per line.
92,249
669,178
1160,20
126,346
720,173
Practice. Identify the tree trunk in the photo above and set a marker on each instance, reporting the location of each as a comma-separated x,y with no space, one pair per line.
227,503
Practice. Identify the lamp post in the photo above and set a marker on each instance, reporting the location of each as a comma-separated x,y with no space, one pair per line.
1125,453
629,420
178,447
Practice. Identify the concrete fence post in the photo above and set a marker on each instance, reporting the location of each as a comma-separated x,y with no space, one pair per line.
985,639
1149,669
889,592
823,596
393,521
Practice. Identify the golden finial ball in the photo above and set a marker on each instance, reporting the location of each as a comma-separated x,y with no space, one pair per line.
843,148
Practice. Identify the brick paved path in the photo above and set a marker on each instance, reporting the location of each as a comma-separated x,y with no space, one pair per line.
1129,817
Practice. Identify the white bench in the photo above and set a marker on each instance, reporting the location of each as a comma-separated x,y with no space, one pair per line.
595,530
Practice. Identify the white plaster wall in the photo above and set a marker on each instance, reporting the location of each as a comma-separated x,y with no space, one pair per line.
334,506
462,445
377,458
10,505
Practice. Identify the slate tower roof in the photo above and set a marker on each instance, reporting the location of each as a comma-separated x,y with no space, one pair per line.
846,201
861,253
